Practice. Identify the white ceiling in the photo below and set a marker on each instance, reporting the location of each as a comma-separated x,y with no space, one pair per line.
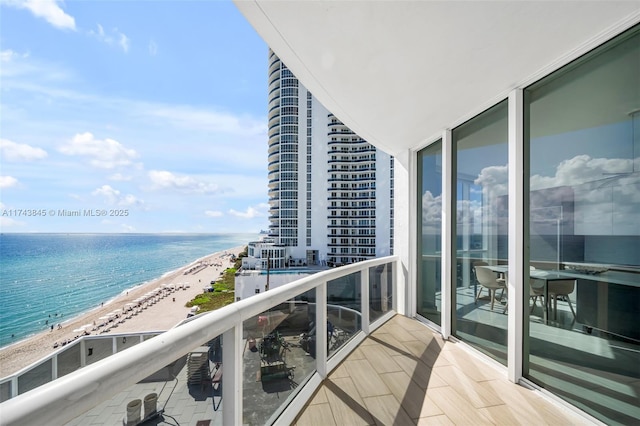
398,72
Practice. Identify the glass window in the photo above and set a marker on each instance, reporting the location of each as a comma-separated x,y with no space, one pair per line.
583,337
430,232
481,224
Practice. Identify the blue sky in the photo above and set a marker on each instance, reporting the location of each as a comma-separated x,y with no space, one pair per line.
153,109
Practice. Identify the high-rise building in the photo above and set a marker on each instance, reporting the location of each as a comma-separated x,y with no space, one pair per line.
323,184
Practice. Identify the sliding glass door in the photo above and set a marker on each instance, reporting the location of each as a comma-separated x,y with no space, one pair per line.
429,288
584,149
481,214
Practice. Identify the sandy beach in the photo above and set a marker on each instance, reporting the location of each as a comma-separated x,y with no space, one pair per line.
161,316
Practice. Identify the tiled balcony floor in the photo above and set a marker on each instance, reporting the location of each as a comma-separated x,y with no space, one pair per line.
405,374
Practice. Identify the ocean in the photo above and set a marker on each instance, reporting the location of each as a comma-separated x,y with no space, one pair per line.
50,278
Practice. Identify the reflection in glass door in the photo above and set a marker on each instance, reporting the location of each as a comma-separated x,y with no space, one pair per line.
583,340
430,232
481,225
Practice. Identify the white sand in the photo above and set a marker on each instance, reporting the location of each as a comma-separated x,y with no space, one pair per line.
159,317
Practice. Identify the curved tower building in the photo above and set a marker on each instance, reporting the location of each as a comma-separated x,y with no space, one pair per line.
323,181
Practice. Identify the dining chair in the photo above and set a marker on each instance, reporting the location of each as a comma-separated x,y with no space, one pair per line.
475,278
489,280
536,289
561,289
557,289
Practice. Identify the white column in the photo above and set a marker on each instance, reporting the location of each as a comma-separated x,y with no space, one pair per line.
232,370
517,251
447,231
406,230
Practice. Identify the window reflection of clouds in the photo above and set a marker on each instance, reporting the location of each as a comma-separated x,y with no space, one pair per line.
431,212
582,169
606,195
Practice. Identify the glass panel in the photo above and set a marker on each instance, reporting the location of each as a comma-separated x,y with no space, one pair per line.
35,377
430,226
481,182
99,348
5,391
279,356
583,338
69,360
380,291
183,392
124,342
344,318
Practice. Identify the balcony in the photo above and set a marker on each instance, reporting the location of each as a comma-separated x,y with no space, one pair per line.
404,373
328,347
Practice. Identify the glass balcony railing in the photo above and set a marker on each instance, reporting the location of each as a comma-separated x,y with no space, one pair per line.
252,362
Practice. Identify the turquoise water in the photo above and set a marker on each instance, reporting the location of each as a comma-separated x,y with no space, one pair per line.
50,278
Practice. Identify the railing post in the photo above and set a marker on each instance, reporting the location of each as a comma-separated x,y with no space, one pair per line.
14,386
321,329
232,375
83,353
54,367
364,299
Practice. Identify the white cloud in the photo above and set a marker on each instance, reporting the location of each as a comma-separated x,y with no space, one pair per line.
104,154
119,177
153,48
49,10
13,151
8,181
212,121
113,38
249,214
123,41
9,55
212,213
162,179
8,222
114,197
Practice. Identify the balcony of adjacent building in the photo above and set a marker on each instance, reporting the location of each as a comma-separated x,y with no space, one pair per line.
274,163
329,348
273,132
274,67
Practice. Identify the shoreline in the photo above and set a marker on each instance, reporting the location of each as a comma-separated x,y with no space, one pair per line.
162,316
